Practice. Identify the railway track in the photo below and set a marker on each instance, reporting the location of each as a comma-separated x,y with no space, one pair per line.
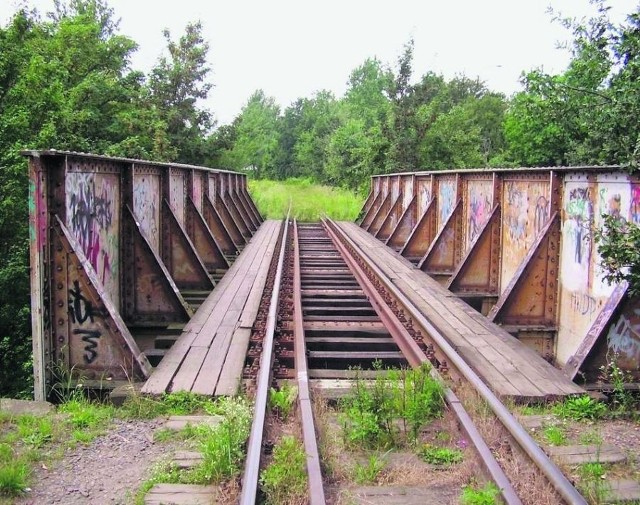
331,310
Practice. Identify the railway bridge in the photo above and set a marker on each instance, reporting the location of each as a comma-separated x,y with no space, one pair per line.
167,276
125,252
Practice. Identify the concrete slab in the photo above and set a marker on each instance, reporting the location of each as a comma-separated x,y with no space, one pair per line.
180,422
20,407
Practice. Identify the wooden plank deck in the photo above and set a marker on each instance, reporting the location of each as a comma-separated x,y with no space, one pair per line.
508,367
208,357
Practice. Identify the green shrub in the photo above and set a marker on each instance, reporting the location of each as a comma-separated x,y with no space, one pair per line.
281,400
369,412
580,408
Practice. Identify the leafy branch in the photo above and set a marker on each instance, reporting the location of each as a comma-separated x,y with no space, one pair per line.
619,247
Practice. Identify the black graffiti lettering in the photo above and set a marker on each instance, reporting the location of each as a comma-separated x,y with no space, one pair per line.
80,309
91,338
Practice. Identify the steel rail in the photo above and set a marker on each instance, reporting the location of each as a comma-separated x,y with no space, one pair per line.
555,476
254,447
415,356
314,473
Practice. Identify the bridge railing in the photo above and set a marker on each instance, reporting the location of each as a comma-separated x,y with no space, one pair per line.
519,245
115,245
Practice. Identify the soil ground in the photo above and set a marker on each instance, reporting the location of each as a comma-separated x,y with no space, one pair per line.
108,471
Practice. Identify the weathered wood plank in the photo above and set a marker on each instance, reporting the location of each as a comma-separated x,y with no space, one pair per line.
201,330
181,494
231,374
580,454
508,366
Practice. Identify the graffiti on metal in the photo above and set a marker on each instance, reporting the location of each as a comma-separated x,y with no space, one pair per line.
583,289
635,204
146,206
525,212
424,194
446,200
623,339
478,206
93,216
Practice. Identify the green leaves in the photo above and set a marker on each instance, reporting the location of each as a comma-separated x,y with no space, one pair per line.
618,247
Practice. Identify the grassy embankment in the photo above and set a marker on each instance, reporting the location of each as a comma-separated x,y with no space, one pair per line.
309,202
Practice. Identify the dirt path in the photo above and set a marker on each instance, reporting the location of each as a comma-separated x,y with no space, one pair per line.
110,470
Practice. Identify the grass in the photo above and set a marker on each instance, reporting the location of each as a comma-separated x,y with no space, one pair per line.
555,435
284,480
593,484
180,403
309,201
443,456
27,440
368,473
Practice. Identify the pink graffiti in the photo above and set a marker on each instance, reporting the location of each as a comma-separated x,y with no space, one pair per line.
479,210
517,217
635,203
91,212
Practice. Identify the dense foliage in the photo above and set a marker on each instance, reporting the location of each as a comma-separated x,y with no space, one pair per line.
66,82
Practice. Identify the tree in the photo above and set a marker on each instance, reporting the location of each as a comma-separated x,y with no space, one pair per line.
64,83
257,137
618,247
177,84
357,147
588,114
404,133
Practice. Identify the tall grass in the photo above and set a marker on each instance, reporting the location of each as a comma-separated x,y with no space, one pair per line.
309,201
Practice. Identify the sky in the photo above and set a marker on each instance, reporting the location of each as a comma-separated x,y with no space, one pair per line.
294,48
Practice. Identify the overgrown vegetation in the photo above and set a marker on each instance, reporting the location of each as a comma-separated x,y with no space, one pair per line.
367,473
580,408
370,412
618,242
221,445
284,480
27,440
555,435
309,201
440,455
593,484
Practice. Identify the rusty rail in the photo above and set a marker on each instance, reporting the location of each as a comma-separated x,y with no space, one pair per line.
254,446
316,490
555,476
416,356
